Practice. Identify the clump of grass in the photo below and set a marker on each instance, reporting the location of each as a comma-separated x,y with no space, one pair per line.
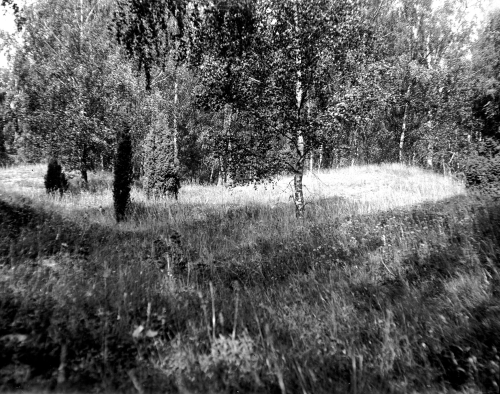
370,293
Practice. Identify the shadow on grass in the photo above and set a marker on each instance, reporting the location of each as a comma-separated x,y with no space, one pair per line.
277,247
30,233
262,247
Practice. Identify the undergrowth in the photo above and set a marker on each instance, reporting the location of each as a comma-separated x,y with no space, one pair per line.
398,300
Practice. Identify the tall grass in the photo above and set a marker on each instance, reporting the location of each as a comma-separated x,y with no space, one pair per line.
388,285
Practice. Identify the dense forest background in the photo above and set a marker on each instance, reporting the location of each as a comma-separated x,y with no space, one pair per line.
238,91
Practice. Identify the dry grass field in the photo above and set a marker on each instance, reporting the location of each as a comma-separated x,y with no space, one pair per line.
389,284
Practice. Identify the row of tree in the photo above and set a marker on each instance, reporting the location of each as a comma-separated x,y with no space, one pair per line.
237,91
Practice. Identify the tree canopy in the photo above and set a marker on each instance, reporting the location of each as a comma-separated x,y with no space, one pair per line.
239,91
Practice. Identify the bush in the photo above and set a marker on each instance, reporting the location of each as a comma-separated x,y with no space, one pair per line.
123,175
161,166
4,158
483,169
165,180
55,180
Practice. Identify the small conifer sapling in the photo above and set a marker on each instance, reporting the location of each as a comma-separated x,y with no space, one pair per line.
122,175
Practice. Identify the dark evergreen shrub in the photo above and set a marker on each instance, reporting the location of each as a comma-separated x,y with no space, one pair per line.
161,168
122,175
55,180
4,158
483,168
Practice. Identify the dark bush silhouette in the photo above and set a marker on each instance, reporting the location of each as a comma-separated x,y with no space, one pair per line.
55,180
123,175
4,158
483,168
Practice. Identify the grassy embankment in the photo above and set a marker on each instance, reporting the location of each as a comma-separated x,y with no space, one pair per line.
390,284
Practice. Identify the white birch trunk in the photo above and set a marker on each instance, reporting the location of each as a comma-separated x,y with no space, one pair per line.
404,126
175,120
226,128
320,159
403,135
430,146
299,93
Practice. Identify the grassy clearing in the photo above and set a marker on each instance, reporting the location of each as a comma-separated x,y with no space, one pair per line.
390,284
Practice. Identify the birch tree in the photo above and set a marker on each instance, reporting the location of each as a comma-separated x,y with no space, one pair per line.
421,47
305,43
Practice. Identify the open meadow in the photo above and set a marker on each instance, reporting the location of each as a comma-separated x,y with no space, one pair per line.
390,283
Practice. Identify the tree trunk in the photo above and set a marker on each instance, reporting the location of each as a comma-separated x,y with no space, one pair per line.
320,159
311,154
430,145
299,94
430,154
226,160
211,174
228,120
299,192
404,126
85,177
403,134
222,170
298,176
354,146
83,166
176,114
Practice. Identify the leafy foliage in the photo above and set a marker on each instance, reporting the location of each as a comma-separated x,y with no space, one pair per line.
18,15
487,67
72,84
161,170
483,168
4,122
151,31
